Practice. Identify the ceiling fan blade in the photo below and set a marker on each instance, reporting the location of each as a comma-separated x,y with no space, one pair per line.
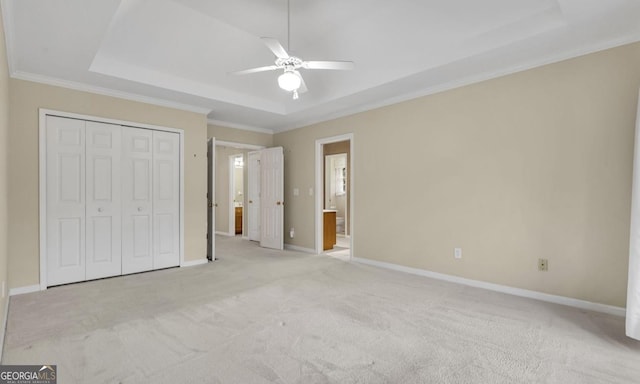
275,47
255,70
339,65
303,86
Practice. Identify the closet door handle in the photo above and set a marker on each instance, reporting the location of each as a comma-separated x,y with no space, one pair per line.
139,209
99,209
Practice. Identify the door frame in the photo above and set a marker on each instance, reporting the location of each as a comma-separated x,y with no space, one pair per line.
320,189
42,151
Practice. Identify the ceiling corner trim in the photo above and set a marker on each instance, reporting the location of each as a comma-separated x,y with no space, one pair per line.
239,126
7,21
83,87
468,80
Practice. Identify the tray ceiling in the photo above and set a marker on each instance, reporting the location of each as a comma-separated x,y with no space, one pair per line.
179,52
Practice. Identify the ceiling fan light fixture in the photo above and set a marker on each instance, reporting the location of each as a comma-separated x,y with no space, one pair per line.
289,81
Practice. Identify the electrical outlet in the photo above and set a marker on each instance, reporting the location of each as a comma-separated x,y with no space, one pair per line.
543,265
457,253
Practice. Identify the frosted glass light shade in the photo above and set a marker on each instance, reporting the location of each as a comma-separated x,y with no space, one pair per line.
289,81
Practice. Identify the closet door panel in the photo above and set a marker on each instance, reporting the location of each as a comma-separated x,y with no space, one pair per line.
65,183
103,212
166,199
137,200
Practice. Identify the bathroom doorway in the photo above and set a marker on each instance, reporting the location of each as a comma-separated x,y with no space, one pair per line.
334,159
336,189
236,194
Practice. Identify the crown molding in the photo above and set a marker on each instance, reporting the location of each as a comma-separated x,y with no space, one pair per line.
243,127
83,87
531,64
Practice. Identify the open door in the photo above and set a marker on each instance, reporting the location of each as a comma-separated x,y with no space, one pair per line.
272,198
211,215
253,195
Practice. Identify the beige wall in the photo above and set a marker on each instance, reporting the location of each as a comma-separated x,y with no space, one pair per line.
532,165
25,100
4,146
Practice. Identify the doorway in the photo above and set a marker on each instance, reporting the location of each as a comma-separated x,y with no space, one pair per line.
334,197
237,176
263,223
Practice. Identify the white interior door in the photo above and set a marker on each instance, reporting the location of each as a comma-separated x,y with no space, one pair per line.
633,282
211,189
137,157
103,207
166,199
253,195
65,180
272,198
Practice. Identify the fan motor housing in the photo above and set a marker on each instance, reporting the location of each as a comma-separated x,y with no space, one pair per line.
289,62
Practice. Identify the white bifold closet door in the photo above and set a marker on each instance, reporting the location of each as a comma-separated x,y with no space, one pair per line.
65,201
103,209
83,200
113,200
166,199
151,200
137,200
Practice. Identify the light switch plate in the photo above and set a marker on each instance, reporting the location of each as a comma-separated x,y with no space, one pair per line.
296,192
457,253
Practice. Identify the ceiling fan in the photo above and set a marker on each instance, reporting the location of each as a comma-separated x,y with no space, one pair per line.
291,80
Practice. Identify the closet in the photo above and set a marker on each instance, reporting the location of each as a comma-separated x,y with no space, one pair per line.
112,199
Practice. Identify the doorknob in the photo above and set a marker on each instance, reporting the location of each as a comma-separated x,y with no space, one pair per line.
250,201
277,203
99,209
139,209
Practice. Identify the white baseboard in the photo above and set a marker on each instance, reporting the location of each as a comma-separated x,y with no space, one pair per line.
224,234
23,290
4,326
291,247
193,263
582,304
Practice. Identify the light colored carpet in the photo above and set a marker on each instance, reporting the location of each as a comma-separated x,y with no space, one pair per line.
258,316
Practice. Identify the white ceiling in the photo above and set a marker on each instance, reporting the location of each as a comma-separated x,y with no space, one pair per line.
179,52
